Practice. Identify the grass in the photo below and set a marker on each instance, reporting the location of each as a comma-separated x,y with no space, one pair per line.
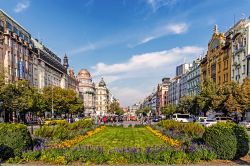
118,137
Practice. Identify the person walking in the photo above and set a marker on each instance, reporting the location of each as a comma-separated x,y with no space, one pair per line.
104,119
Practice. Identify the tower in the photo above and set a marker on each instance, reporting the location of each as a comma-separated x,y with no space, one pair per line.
65,61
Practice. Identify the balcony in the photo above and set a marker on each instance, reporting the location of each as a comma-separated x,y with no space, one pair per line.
236,51
236,64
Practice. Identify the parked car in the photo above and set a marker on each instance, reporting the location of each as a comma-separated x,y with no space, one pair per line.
245,124
200,118
207,122
157,119
224,119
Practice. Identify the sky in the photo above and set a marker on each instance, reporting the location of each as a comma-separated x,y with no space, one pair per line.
132,44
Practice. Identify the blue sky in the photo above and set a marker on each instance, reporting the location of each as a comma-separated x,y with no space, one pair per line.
131,43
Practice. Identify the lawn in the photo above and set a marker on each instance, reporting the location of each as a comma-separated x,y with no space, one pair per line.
114,137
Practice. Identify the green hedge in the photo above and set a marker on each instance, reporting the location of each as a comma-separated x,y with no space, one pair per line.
242,138
190,129
6,152
229,140
15,137
64,131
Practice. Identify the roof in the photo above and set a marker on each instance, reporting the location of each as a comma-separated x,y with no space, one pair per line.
84,73
9,17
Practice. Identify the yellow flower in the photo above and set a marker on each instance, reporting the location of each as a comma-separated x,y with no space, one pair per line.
77,139
168,140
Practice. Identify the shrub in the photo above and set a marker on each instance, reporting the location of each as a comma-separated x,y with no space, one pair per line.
170,124
222,139
44,131
193,130
6,152
64,131
242,140
15,136
31,155
133,155
55,122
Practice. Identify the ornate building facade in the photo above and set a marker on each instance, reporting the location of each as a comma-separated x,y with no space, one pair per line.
217,64
240,50
162,94
50,70
87,91
193,78
102,98
16,50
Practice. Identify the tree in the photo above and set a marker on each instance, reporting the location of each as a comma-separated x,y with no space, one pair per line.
186,104
39,104
115,108
168,110
144,111
208,97
16,98
229,102
245,95
65,101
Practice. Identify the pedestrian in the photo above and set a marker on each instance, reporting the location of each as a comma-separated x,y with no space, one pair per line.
104,119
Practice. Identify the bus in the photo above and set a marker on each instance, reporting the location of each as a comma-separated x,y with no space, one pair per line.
182,117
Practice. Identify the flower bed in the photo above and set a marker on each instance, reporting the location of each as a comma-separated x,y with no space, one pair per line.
133,155
179,130
77,139
65,131
168,140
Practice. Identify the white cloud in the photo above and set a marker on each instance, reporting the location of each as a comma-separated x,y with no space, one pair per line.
137,76
88,47
176,28
147,60
157,4
128,95
22,5
164,30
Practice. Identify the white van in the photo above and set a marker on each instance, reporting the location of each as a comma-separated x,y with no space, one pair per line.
182,117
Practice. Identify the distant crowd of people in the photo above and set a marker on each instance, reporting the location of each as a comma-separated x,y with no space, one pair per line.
108,119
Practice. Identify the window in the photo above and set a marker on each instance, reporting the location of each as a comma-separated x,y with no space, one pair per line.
9,26
214,59
244,69
225,64
15,30
26,38
21,35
